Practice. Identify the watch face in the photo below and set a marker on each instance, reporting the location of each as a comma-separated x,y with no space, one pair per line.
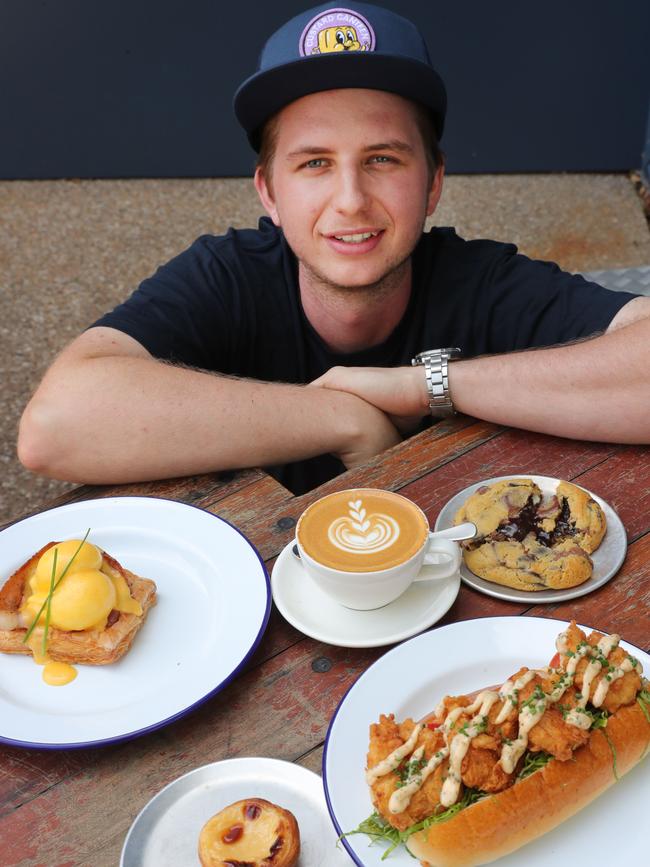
451,352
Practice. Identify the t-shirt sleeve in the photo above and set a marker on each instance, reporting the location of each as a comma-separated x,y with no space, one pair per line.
184,312
526,303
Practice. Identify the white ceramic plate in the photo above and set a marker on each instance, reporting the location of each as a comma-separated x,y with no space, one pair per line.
607,558
305,606
166,832
213,606
410,679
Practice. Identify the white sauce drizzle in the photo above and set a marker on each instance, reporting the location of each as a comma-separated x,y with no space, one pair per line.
508,694
401,798
460,744
531,712
391,762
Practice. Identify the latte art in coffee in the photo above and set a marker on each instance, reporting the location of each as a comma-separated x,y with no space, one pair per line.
362,530
359,533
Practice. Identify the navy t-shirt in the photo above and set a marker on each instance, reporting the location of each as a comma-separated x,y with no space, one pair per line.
232,304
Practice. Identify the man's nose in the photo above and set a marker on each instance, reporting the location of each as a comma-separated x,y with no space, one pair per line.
351,193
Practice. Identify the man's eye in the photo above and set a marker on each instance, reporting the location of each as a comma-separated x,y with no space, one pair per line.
381,158
316,163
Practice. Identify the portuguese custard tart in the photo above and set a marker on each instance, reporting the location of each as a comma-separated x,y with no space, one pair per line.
250,833
531,541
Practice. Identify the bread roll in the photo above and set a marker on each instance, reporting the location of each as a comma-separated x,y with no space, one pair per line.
499,824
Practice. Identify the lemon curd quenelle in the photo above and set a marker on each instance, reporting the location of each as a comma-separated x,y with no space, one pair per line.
72,602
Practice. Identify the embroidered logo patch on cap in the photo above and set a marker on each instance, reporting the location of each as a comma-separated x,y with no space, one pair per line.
337,30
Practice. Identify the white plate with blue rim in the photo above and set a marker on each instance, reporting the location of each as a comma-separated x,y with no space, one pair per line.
410,680
213,605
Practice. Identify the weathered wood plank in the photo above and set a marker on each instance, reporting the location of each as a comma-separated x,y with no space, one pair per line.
511,453
412,458
282,709
622,605
193,490
77,806
268,513
624,481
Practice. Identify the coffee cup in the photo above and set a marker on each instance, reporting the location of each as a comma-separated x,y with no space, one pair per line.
365,546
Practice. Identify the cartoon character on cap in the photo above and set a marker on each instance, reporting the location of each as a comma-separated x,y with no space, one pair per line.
338,39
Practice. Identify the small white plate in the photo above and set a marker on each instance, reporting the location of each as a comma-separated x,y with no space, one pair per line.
410,680
607,558
166,832
311,611
214,601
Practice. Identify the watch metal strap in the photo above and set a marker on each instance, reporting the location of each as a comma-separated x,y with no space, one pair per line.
436,370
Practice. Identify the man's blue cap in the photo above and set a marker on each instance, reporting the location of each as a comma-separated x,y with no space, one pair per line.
329,47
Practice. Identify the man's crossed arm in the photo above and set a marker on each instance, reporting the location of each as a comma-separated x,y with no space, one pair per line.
108,412
596,389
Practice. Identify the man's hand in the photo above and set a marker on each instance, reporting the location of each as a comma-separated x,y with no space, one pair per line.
400,392
373,432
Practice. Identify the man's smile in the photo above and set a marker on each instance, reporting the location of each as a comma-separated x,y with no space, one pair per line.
355,242
355,237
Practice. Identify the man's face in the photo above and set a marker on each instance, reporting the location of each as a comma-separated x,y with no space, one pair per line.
350,185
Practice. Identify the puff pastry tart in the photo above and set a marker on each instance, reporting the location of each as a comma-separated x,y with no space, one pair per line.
250,833
531,541
126,600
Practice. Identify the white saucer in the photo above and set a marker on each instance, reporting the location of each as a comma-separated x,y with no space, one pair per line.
311,611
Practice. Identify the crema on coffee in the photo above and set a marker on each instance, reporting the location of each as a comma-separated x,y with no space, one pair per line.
362,530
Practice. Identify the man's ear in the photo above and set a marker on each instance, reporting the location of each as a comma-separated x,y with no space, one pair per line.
436,189
265,192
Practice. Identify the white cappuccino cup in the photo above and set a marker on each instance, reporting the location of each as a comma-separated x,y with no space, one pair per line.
364,547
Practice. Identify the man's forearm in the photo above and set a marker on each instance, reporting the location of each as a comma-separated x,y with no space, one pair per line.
120,419
598,389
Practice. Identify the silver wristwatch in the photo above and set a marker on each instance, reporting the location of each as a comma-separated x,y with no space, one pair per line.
436,362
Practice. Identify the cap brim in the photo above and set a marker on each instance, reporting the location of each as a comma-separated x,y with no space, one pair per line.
266,92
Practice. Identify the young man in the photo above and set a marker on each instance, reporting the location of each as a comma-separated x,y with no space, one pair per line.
292,344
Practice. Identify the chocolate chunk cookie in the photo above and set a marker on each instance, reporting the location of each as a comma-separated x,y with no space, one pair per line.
531,541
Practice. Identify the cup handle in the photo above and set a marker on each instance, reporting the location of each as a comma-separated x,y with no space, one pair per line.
443,554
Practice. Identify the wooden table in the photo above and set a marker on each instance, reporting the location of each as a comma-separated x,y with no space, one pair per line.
59,809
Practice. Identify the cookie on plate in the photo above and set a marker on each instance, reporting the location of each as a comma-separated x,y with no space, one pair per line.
531,541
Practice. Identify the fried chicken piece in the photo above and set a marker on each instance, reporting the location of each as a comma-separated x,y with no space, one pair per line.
385,737
622,691
556,737
481,768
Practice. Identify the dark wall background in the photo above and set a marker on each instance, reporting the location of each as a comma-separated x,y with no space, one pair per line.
143,88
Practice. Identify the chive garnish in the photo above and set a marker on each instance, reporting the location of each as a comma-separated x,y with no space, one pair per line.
48,601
